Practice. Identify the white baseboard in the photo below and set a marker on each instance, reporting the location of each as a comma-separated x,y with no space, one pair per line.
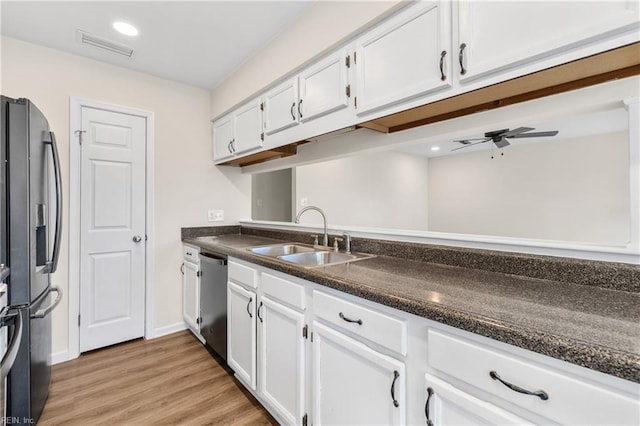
62,356
167,329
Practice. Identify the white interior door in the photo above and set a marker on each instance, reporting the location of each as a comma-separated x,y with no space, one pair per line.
112,228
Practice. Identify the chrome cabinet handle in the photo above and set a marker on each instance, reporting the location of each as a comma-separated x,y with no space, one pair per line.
299,110
442,55
259,307
358,321
229,147
182,268
137,238
41,313
12,349
540,394
463,46
233,145
293,116
249,304
393,388
430,393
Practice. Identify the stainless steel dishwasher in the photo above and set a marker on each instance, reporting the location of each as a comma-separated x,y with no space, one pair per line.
213,302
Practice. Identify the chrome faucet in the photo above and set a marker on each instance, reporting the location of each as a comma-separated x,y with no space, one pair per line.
325,240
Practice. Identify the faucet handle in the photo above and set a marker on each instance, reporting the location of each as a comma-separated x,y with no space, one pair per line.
335,243
315,239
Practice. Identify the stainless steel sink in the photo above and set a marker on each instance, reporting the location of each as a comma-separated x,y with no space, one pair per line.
307,256
323,258
281,249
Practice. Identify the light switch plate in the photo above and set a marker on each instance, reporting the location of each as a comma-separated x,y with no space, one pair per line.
215,215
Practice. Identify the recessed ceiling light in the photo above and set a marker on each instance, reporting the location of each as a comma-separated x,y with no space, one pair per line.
126,29
435,148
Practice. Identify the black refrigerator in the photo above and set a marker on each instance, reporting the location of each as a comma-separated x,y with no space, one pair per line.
30,232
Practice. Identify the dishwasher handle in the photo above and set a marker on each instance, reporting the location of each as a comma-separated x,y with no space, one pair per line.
212,258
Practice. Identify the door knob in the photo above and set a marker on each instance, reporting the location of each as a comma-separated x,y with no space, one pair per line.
137,238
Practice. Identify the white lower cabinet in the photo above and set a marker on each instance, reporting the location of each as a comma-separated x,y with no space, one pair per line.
354,384
281,359
316,356
241,324
446,405
191,289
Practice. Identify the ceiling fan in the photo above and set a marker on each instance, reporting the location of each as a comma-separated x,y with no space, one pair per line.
500,137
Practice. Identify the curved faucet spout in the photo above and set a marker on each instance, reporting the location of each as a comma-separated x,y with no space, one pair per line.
325,240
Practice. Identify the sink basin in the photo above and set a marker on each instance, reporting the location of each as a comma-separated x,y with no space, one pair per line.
323,258
281,249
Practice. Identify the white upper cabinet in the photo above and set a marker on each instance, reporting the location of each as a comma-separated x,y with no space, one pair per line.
238,132
405,57
247,122
495,36
223,138
324,87
281,107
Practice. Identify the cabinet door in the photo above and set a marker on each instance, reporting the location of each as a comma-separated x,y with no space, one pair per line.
281,107
499,35
223,138
447,406
401,58
247,122
241,333
323,87
191,296
281,359
353,384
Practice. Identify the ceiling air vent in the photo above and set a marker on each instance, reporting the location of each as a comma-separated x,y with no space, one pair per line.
103,43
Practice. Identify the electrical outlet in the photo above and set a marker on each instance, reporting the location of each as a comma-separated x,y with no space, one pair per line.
215,215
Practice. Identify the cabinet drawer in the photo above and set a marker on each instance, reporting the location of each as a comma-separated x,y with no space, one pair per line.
571,400
370,324
243,274
283,290
191,254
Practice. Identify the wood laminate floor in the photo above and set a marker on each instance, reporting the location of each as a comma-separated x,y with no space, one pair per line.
171,380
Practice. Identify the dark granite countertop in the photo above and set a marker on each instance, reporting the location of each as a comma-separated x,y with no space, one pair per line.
594,327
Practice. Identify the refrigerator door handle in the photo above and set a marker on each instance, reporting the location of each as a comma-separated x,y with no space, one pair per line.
50,139
12,349
41,313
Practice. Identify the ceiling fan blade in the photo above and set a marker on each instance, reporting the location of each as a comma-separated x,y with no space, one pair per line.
467,141
536,134
501,143
512,133
471,144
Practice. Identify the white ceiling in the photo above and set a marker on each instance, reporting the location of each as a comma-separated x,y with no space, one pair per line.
199,43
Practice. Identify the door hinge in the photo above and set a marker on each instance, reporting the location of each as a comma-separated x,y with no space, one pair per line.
312,336
199,274
347,61
262,136
199,320
304,420
78,320
354,58
355,101
348,90
305,331
261,106
79,134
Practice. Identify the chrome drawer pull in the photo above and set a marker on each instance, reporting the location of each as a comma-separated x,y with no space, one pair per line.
358,321
540,394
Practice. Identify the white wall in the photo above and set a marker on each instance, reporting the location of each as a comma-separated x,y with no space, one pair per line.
566,190
377,190
325,24
186,182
